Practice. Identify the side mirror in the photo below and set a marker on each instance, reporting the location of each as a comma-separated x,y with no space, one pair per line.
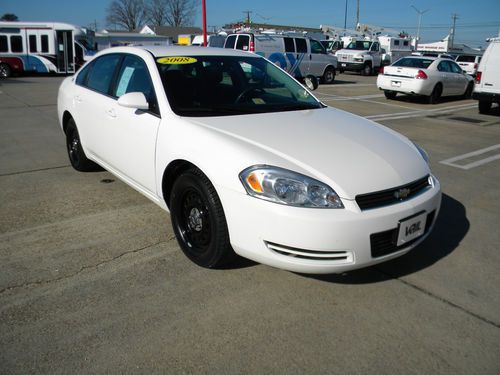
135,100
464,72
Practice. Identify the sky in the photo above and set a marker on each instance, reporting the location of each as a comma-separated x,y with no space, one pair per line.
477,19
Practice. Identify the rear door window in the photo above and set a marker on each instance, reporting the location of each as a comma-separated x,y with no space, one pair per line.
301,45
289,45
102,73
243,42
231,39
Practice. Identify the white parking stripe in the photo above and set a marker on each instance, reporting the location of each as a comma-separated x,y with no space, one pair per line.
343,98
419,113
477,163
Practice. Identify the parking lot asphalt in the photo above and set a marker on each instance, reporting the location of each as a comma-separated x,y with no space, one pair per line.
93,281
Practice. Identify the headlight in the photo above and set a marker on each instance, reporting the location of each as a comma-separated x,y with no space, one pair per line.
286,187
422,152
358,58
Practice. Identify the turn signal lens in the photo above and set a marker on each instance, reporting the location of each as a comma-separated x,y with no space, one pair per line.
381,70
254,183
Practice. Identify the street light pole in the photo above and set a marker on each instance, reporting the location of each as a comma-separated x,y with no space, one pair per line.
419,21
345,15
204,16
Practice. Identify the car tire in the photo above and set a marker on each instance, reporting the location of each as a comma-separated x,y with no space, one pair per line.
77,157
367,70
5,71
390,94
198,220
436,94
328,76
468,90
311,82
484,106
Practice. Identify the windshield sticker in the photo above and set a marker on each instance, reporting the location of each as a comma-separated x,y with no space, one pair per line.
176,60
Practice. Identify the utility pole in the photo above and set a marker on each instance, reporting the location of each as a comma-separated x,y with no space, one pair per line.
419,21
357,15
454,17
345,15
248,16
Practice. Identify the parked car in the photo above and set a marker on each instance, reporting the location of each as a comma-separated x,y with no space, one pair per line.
487,81
300,56
468,63
247,160
427,76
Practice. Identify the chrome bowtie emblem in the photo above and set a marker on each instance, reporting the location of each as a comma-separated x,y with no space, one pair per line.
402,193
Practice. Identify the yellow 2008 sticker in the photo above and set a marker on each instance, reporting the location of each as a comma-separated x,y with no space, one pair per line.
175,60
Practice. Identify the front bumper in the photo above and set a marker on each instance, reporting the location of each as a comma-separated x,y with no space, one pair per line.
351,66
318,240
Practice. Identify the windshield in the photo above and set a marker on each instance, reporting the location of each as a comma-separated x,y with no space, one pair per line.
229,85
360,45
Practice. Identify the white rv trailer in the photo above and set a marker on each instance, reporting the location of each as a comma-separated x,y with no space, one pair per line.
41,47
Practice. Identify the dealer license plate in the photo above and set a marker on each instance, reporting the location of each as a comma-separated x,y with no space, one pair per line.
411,228
396,83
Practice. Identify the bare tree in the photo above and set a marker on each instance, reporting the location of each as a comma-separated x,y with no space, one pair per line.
181,12
157,12
129,14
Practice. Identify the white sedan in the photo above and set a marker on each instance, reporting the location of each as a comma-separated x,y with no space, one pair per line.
427,76
247,160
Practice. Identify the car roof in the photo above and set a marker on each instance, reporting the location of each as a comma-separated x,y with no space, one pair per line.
158,51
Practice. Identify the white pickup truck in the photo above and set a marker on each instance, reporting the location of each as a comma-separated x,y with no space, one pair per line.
363,56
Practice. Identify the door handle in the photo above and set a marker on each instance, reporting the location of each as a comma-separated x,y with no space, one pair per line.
111,113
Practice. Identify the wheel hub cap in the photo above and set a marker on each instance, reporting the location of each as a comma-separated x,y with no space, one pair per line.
195,220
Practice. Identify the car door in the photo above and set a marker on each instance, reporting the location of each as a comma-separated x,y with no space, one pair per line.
375,52
128,136
300,66
91,99
446,77
318,59
459,78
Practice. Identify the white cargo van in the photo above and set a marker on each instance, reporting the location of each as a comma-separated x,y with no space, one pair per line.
299,56
487,81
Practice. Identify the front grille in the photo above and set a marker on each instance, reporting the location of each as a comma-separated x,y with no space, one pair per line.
344,57
384,243
339,256
390,196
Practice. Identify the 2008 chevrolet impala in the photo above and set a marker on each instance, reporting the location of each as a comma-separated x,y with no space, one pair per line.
247,160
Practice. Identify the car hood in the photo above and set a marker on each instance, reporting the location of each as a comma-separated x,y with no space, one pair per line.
351,154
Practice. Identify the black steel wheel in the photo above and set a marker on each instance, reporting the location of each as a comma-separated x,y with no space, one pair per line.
328,75
468,90
436,94
484,106
5,71
76,155
390,94
198,220
367,70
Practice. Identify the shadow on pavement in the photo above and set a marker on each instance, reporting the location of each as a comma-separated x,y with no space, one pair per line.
451,227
